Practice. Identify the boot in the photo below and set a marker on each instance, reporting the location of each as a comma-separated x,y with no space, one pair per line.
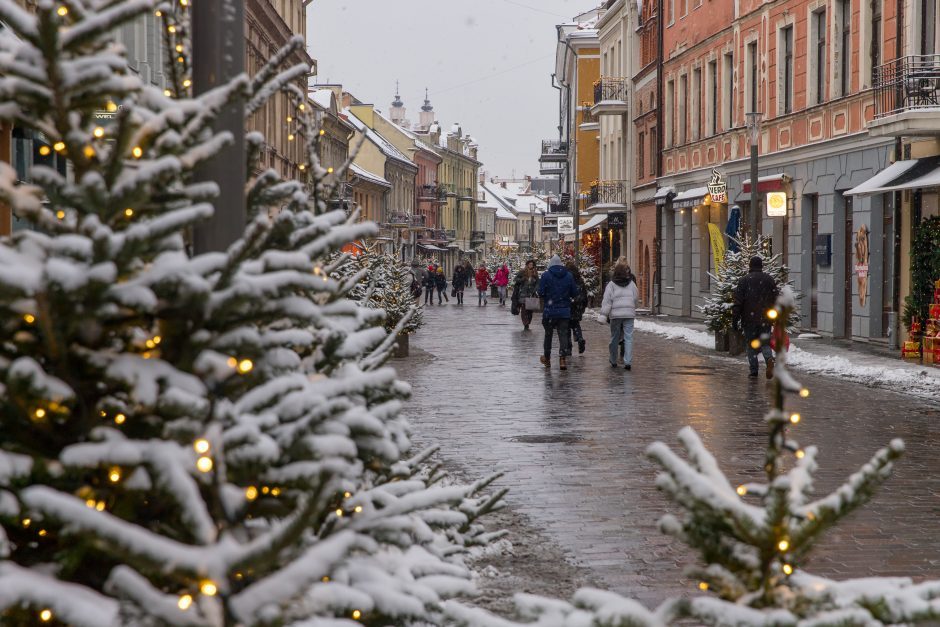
545,361
770,369
581,346
563,363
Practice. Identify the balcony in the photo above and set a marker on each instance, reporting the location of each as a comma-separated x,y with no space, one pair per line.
554,151
418,221
450,189
610,96
477,237
907,97
563,205
552,169
433,193
589,120
450,234
398,219
465,193
609,193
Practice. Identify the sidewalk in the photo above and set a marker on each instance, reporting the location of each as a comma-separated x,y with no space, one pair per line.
868,365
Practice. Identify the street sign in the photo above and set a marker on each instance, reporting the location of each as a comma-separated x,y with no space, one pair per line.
616,219
565,225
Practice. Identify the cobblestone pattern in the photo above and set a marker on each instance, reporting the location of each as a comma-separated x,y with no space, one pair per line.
572,444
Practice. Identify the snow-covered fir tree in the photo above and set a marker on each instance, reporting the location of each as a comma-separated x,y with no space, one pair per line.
752,540
590,272
735,266
383,282
209,440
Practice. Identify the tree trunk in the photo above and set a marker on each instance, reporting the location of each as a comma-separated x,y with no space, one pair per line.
402,346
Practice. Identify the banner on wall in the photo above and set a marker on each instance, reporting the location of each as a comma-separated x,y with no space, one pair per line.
861,263
718,243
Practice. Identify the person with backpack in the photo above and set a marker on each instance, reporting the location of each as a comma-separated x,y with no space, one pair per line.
483,280
755,295
619,307
557,289
578,305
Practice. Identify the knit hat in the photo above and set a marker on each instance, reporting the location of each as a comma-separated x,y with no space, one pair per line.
756,263
554,261
440,270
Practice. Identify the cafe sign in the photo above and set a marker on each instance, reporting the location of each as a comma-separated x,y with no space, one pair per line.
718,188
776,204
565,225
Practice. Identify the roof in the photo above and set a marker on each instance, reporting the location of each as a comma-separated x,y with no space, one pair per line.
383,144
516,196
322,98
504,214
368,176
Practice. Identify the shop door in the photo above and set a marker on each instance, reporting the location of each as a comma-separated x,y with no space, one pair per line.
849,265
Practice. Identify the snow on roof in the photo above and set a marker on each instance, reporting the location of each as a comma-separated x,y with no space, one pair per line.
504,214
383,144
322,98
368,176
517,196
407,133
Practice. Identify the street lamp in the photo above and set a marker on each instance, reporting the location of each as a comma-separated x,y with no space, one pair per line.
753,133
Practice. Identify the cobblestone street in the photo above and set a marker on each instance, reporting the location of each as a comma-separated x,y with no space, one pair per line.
572,443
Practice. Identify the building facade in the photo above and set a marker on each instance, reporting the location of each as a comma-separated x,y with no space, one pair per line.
806,67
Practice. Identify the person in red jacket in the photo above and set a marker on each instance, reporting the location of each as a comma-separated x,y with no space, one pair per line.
501,280
483,280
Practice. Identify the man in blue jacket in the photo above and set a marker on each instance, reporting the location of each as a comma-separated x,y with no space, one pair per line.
557,288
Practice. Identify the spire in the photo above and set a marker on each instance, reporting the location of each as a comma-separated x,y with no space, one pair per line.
397,102
427,103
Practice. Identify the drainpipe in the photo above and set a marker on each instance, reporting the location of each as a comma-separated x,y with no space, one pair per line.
577,207
657,278
894,326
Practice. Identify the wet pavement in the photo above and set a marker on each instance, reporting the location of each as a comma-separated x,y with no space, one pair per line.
572,444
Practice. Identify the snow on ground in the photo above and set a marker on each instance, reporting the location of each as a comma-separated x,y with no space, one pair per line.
912,379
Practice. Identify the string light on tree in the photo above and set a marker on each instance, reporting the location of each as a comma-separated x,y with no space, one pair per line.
783,545
45,615
184,602
787,569
795,418
201,446
208,588
204,464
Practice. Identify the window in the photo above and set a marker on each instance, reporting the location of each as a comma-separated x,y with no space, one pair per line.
844,20
641,155
875,37
818,59
668,137
696,106
653,151
752,72
927,33
711,104
727,90
785,69
682,114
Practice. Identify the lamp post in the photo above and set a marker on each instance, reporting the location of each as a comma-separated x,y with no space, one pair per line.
753,133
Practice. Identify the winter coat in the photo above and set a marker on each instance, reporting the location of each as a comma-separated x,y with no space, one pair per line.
755,294
429,280
523,287
579,304
502,277
557,288
460,279
483,279
421,273
468,273
620,298
440,281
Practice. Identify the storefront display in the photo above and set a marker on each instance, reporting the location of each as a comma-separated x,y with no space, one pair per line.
931,330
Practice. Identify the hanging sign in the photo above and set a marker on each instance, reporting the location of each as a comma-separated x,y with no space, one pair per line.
616,219
718,188
776,204
565,225
718,243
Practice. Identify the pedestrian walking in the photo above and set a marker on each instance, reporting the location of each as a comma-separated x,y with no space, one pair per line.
619,307
483,280
525,285
459,283
557,288
430,285
578,305
420,274
501,280
468,271
440,284
755,295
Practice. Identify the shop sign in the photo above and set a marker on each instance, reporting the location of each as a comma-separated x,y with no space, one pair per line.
617,220
718,188
776,204
823,249
565,225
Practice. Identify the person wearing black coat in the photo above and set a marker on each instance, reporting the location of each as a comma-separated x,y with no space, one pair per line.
440,284
578,305
755,294
459,282
429,283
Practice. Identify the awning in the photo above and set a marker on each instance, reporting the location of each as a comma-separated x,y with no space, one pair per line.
663,194
911,174
689,198
429,246
595,221
771,183
454,245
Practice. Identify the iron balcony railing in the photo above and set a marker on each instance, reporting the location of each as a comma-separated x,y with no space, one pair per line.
610,88
439,235
906,83
552,169
466,193
432,192
450,234
398,218
450,189
586,116
554,150
418,220
609,192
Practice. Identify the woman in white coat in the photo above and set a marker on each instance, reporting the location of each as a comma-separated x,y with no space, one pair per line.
619,307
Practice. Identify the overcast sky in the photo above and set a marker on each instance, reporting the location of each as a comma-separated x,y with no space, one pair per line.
486,63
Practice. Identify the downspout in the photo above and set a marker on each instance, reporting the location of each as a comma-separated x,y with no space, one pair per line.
894,340
660,135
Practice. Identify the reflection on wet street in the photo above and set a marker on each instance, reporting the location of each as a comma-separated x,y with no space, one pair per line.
572,443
